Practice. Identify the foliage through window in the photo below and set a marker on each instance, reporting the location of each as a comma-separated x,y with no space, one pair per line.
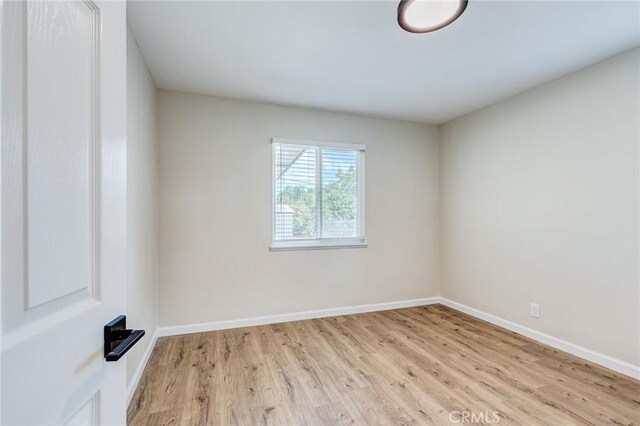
318,193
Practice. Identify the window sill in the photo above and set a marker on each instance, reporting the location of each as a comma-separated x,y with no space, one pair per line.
319,244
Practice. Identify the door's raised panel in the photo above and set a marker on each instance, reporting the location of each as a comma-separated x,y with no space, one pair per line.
51,158
87,415
60,146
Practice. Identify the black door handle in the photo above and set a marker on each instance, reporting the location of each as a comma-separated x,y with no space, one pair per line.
118,339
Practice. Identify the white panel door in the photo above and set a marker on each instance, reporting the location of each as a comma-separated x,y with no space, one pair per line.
63,211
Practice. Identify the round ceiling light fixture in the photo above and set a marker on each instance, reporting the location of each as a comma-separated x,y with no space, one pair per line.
424,16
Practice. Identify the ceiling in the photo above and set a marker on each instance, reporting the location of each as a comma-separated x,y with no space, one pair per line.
352,56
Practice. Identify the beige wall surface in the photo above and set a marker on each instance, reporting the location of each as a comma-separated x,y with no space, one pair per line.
142,203
540,204
215,213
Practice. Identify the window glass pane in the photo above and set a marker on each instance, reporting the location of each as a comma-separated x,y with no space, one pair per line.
339,193
295,192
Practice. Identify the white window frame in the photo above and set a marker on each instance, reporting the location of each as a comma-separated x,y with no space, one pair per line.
321,243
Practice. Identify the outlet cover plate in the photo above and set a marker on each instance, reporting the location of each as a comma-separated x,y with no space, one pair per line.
535,310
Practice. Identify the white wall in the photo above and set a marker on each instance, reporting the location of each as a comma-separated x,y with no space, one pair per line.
142,203
540,204
215,213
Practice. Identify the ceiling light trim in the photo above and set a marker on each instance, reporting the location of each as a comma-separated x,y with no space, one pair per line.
402,21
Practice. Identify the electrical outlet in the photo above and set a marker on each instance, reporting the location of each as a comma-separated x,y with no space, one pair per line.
535,310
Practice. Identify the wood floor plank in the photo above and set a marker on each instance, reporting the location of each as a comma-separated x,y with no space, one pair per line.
424,365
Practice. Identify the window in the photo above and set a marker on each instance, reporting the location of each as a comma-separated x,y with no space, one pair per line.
318,194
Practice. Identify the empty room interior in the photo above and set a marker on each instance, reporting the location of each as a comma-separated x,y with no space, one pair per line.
320,212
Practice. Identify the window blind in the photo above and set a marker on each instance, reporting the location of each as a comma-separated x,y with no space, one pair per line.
318,192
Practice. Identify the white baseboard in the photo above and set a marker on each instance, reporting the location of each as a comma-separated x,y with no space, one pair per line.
131,389
296,316
595,357
269,319
587,354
